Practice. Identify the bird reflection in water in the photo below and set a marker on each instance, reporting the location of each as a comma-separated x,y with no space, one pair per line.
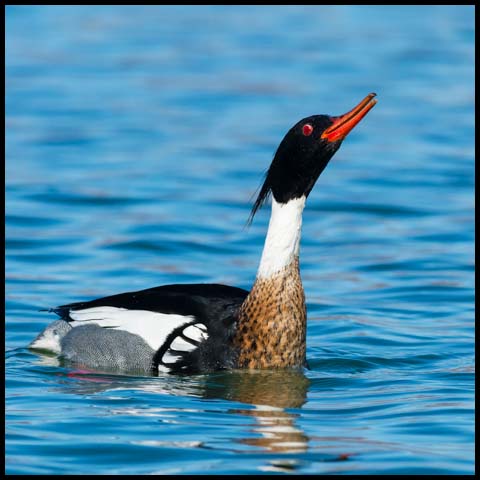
271,392
267,395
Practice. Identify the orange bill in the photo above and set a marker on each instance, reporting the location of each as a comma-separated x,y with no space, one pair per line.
342,125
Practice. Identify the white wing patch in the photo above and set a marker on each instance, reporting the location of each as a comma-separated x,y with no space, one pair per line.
186,340
153,327
169,358
197,332
180,344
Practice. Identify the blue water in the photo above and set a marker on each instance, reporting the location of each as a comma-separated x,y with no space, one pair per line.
136,138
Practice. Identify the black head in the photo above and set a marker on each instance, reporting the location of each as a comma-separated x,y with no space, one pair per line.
305,151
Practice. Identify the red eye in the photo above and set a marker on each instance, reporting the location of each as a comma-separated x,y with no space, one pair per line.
307,129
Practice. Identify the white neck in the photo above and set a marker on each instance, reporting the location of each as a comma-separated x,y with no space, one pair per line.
283,236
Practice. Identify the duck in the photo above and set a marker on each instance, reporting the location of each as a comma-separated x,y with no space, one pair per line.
201,328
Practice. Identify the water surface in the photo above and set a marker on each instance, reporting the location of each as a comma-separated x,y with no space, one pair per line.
135,140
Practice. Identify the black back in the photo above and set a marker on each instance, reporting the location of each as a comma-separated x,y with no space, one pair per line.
204,301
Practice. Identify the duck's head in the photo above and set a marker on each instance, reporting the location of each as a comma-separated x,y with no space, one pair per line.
305,151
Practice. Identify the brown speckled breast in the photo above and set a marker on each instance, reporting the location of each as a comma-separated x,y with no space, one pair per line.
271,329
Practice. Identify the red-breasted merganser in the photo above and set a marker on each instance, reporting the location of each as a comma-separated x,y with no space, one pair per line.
195,328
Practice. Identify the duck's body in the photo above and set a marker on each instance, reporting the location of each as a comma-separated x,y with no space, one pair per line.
172,328
197,328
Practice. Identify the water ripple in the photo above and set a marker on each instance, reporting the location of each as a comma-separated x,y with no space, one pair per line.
135,140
